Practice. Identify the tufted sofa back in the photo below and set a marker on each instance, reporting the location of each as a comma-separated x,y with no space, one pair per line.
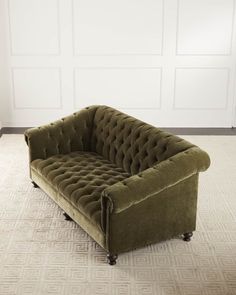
131,143
69,134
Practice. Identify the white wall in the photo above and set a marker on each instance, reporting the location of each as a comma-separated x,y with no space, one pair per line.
3,65
171,63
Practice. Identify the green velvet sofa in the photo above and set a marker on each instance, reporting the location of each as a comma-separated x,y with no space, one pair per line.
125,182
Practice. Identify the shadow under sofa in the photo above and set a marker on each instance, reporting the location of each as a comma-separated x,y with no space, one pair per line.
126,183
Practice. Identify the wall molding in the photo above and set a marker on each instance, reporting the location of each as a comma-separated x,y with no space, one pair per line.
119,68
177,53
137,91
202,68
36,108
35,54
117,54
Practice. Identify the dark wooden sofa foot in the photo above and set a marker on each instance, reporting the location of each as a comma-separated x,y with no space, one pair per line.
187,236
112,258
35,184
67,217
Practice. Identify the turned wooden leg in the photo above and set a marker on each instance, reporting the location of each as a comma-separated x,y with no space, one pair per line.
67,217
187,236
35,184
112,258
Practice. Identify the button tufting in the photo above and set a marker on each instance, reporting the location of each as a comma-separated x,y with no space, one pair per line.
81,177
120,138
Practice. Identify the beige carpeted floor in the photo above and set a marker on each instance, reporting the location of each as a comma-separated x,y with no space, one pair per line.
41,253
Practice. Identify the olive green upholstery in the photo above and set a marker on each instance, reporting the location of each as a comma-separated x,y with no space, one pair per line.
125,182
80,177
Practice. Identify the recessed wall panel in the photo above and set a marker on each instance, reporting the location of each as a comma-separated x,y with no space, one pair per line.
123,88
61,55
201,88
204,27
36,88
34,27
117,27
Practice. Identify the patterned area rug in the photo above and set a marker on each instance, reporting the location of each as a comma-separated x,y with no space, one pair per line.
41,253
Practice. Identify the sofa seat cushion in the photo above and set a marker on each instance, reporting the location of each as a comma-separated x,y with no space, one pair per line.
80,177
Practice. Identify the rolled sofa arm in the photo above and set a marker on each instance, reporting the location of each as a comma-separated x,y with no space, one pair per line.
69,134
137,188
